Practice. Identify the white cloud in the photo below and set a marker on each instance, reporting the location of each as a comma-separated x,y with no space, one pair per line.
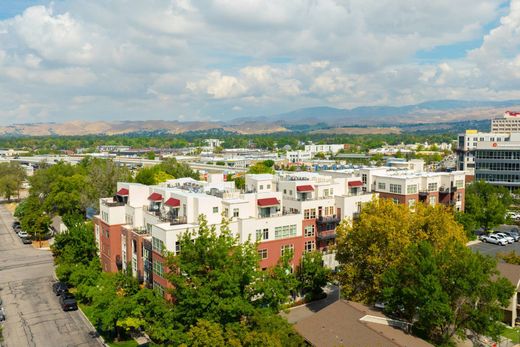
202,58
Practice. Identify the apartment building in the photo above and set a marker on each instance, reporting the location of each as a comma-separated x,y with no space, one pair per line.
334,149
509,123
298,156
291,211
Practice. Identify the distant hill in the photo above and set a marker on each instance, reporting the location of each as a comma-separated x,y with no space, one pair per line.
319,119
426,112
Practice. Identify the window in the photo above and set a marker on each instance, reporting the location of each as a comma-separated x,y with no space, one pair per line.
287,248
325,192
236,212
158,288
215,209
395,201
262,253
177,247
285,231
395,188
432,200
158,268
459,183
411,203
432,187
104,216
261,187
411,189
268,186
309,246
306,214
364,178
381,185
157,245
331,190
313,213
285,191
226,212
309,230
262,234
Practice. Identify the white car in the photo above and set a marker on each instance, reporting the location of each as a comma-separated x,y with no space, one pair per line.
23,234
492,238
508,238
513,215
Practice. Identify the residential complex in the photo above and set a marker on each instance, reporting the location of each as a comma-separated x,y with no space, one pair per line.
289,211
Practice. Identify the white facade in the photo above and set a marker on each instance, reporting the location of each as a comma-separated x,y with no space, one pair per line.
298,156
334,149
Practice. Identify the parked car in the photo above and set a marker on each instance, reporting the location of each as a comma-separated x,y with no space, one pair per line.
59,288
23,234
508,238
68,302
2,314
514,215
26,241
492,238
515,235
16,224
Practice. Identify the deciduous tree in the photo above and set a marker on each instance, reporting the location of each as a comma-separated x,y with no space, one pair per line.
379,237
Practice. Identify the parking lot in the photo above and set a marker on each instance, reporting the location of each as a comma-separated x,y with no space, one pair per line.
34,315
492,250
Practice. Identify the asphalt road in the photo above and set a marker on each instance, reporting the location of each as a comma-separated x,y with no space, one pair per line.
492,250
34,315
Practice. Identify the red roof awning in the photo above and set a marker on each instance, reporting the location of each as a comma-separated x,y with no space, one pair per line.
355,184
122,192
268,202
306,188
155,197
172,202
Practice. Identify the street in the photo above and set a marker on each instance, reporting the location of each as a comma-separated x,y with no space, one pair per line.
34,315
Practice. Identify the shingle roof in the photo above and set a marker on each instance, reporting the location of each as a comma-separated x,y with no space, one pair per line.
339,325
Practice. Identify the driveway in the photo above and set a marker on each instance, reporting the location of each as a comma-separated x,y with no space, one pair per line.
34,316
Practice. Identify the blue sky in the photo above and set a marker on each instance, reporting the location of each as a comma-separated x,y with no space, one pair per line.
223,59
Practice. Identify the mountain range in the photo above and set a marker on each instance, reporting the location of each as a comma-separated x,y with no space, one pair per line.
305,119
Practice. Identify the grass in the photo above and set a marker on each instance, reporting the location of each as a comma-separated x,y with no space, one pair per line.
87,310
512,334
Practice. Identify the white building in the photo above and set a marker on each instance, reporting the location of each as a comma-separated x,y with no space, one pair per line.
333,149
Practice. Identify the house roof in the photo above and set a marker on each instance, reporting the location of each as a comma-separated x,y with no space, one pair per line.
268,202
355,184
305,188
339,324
172,202
122,192
510,271
155,197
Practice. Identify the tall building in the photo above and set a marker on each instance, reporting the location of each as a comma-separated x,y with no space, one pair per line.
509,123
498,162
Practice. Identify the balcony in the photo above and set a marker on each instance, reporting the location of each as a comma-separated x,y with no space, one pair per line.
174,220
328,219
112,203
325,237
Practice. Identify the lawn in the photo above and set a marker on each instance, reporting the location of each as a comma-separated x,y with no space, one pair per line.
128,343
512,334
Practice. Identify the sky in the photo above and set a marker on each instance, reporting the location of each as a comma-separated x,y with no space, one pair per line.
199,60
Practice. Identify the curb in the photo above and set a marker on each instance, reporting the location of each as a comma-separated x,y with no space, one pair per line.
99,338
474,242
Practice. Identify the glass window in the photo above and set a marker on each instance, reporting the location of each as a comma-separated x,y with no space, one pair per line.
395,188
309,230
411,189
215,209
236,212
432,187
381,185
262,253
287,248
309,246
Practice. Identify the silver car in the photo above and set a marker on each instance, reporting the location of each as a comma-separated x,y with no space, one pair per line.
508,238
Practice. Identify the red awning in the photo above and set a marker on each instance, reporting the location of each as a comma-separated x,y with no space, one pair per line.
307,188
122,192
172,202
268,202
355,184
155,197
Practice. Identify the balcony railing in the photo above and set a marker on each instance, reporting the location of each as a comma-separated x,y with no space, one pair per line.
328,219
112,203
308,199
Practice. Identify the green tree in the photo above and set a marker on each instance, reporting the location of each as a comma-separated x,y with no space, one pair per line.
510,258
378,240
206,333
311,275
150,155
260,168
443,293
485,206
12,176
146,176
